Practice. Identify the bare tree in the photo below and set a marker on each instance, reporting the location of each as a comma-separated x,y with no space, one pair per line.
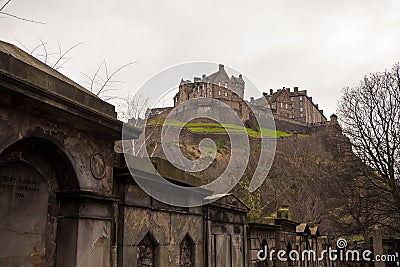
55,58
7,14
370,117
102,82
133,107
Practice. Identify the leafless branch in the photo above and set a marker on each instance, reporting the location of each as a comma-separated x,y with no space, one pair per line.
5,4
102,83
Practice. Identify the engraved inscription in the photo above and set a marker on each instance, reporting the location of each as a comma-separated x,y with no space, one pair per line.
20,186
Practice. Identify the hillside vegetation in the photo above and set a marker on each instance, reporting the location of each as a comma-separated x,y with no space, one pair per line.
211,127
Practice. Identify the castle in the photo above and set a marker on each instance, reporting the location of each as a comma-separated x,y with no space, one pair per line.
284,103
296,105
218,85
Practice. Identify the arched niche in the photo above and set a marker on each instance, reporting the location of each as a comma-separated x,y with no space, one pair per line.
186,255
32,171
146,252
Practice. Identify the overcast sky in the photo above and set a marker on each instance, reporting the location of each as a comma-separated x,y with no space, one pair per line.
317,45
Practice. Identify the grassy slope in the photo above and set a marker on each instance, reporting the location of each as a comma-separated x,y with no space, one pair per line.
222,128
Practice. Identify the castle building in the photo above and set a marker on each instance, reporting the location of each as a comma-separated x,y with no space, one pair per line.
219,86
304,109
296,105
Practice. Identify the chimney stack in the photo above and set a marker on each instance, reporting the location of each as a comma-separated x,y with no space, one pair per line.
203,76
296,89
240,76
334,118
221,67
271,91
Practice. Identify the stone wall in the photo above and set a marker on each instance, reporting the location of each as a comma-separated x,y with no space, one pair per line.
216,233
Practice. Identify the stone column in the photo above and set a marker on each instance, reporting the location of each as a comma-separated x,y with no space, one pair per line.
378,246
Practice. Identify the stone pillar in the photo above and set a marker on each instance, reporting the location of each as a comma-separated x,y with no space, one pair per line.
84,237
378,246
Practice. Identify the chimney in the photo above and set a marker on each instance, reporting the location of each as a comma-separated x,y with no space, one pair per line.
251,99
310,98
240,76
316,105
271,91
334,118
221,67
203,76
296,89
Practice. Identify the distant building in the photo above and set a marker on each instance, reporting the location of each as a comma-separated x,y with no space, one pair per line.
296,105
219,86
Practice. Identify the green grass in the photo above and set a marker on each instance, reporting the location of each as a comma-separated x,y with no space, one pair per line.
222,128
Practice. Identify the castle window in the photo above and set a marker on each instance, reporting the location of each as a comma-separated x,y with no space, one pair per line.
198,89
301,103
219,92
286,105
186,252
281,105
146,252
301,98
219,84
226,93
226,85
301,109
301,115
203,86
292,99
210,93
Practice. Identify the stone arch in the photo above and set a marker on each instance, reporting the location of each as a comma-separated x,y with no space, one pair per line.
146,251
44,155
32,171
186,252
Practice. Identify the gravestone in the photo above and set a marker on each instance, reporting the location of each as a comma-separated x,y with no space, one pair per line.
23,213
